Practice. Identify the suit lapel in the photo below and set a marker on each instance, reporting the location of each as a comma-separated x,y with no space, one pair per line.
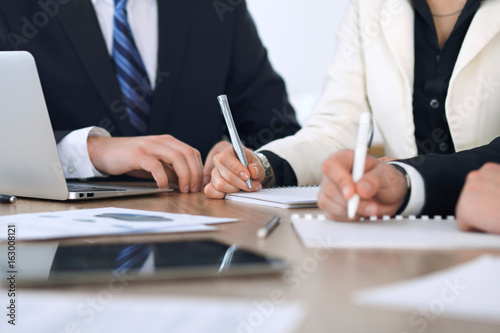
80,22
399,33
484,27
174,24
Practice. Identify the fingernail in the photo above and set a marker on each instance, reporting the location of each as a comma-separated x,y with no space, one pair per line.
244,176
256,170
258,188
196,188
186,188
371,210
345,192
365,185
206,179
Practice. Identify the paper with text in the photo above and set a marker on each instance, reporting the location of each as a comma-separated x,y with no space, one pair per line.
103,221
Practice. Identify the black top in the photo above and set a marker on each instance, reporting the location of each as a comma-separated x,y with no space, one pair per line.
433,70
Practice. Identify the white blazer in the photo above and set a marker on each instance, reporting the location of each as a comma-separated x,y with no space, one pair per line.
373,71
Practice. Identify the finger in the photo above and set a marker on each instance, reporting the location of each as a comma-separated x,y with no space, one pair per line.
157,170
331,200
221,185
195,165
212,193
209,163
369,208
338,169
371,182
231,169
207,168
187,165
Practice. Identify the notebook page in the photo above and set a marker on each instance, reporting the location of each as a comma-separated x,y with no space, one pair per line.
284,197
397,233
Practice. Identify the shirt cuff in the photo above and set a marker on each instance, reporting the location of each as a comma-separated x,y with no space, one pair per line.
417,195
283,172
74,154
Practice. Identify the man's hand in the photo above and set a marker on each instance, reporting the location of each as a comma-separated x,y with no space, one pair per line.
381,190
209,163
162,157
477,207
230,176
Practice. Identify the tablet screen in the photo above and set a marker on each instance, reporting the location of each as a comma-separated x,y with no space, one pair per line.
51,263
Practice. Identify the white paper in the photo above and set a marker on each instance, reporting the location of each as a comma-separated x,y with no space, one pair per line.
389,234
91,222
108,311
281,197
469,291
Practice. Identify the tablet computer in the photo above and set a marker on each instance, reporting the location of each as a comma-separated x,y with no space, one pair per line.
51,263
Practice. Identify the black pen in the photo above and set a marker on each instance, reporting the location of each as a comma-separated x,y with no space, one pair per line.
8,199
266,230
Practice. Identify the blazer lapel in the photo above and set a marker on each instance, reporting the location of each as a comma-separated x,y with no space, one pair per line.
484,27
399,33
174,24
80,22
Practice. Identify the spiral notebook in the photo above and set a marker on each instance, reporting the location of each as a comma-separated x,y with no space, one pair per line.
389,233
282,197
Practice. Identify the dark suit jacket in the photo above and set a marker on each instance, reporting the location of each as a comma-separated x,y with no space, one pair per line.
444,175
202,54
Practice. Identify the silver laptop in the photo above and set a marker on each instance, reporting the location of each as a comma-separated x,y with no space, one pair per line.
29,160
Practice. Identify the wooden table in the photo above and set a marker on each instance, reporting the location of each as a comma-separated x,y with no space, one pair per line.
322,282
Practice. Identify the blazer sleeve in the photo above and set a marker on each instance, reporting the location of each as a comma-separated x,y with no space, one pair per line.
258,96
333,124
444,175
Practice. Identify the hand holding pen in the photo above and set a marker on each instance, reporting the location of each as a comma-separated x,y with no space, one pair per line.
236,167
355,184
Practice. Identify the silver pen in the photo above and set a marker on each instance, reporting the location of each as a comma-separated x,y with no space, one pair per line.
264,231
233,133
8,199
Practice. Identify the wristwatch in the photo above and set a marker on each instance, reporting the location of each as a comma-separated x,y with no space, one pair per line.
269,173
408,188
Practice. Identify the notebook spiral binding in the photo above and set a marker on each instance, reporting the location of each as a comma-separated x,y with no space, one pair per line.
375,218
285,187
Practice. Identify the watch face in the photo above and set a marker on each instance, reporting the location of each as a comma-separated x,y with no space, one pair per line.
265,163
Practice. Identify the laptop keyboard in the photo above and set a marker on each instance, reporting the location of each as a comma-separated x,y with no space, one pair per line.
80,188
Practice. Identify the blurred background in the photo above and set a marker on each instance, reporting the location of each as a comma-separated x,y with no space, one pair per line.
300,38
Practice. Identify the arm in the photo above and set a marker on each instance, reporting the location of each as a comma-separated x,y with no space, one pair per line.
477,208
444,175
383,188
332,126
257,94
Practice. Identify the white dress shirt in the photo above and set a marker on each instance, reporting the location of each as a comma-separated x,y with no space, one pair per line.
417,194
143,19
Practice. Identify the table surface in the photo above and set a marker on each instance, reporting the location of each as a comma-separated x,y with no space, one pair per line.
323,286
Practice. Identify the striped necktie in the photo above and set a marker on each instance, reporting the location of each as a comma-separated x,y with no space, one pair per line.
130,71
131,258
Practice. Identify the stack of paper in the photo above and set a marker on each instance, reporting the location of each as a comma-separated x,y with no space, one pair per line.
281,197
103,221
